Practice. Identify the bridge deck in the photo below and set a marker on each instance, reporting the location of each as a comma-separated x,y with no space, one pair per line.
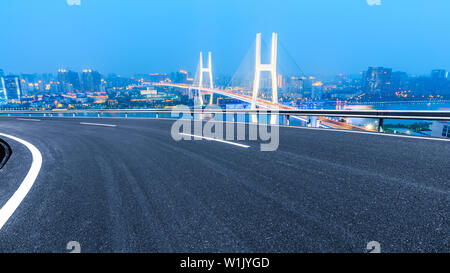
265,104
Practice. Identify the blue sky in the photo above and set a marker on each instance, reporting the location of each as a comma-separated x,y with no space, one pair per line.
145,36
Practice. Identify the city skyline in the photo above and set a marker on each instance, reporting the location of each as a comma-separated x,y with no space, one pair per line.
89,88
224,134
323,37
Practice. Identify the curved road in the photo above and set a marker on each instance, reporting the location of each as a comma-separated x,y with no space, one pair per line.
132,188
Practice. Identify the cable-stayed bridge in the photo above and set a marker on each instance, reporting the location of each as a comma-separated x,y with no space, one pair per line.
200,89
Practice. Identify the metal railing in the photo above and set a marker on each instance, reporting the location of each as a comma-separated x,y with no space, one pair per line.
380,115
388,114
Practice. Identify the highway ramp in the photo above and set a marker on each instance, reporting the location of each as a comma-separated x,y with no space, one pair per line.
130,187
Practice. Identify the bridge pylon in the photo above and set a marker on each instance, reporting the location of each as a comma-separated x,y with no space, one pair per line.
202,71
272,68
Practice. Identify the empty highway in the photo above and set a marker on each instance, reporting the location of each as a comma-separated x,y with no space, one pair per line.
129,187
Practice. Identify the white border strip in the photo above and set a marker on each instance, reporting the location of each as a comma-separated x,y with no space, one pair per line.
13,203
218,140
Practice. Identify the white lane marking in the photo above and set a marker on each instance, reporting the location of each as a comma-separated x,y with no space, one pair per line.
28,119
218,140
98,124
13,203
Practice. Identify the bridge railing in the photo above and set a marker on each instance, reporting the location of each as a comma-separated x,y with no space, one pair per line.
285,116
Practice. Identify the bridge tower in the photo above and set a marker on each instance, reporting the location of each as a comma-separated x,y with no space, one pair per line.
202,71
272,68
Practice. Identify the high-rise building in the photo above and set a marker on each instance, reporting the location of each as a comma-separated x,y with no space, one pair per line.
439,83
1,75
399,81
27,83
307,86
69,81
439,74
90,80
182,76
295,85
317,90
74,80
12,89
62,75
377,79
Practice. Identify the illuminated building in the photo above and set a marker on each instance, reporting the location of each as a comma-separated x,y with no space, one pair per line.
68,80
12,89
90,80
377,79
317,90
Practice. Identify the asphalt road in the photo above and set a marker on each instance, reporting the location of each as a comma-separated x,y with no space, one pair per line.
132,188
